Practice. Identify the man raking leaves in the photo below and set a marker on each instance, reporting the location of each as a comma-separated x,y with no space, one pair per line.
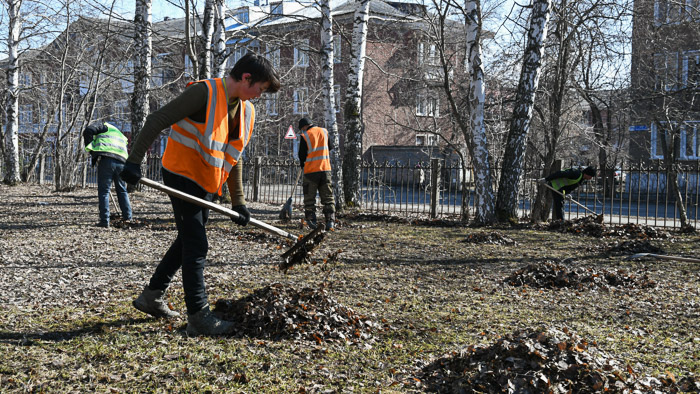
562,183
212,123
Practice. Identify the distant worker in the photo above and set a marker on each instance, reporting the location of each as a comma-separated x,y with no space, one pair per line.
314,157
107,146
565,181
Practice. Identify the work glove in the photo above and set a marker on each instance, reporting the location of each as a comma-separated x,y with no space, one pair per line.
244,215
542,181
131,173
568,197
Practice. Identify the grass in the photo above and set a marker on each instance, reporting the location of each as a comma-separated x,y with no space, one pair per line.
428,292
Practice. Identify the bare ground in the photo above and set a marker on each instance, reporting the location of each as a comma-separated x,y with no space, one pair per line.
414,291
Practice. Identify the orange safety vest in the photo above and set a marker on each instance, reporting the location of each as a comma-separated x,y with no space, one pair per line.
203,152
317,157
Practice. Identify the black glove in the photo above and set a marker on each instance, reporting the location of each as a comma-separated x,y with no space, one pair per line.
244,215
131,173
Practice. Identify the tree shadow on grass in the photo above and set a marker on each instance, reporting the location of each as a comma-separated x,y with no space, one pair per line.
30,339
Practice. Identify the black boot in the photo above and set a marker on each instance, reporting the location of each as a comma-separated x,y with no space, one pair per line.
330,221
310,218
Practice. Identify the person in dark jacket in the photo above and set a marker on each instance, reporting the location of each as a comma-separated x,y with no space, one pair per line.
314,158
211,123
107,146
566,181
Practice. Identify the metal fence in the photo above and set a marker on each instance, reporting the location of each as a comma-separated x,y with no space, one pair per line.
441,189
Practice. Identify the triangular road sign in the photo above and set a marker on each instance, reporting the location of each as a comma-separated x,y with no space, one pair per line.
290,134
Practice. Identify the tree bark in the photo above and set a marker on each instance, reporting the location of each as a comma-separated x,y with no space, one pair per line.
142,70
12,174
353,107
329,101
509,184
483,193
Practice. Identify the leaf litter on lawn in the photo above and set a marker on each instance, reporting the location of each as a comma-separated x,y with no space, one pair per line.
543,360
587,225
279,311
550,274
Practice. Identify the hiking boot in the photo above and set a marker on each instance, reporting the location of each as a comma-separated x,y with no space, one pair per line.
205,323
330,221
102,224
310,218
152,303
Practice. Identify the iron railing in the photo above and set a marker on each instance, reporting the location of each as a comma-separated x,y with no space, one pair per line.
637,193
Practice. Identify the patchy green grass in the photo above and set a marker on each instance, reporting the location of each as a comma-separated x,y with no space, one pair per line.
68,324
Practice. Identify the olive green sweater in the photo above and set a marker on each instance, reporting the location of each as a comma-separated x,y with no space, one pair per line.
192,103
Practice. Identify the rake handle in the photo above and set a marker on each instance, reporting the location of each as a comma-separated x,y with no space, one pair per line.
214,207
572,200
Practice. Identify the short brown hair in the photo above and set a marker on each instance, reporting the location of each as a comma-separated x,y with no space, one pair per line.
260,69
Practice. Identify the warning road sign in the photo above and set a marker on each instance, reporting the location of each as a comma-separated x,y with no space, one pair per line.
290,134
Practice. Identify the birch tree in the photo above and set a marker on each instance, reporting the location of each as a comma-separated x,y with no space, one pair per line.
484,202
219,40
512,164
353,106
12,174
329,101
142,69
205,58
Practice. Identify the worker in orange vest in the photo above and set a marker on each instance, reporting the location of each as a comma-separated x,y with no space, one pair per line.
314,158
212,122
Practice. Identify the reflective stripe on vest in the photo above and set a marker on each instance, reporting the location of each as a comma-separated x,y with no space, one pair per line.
317,156
111,141
203,152
559,183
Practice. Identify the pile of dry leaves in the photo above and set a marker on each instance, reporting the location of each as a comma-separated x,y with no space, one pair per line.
493,237
549,274
281,312
541,361
588,226
634,246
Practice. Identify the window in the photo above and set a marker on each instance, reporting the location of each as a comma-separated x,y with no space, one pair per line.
272,53
301,56
128,77
25,80
242,17
691,69
276,10
25,114
84,83
426,140
336,97
189,67
658,131
270,103
690,141
300,104
236,55
427,53
427,105
666,71
667,11
336,49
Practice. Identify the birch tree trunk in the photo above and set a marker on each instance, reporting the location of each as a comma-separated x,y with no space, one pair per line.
188,41
353,107
12,175
329,101
142,69
484,198
219,40
207,34
509,184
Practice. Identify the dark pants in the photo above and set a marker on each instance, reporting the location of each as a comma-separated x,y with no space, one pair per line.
108,170
189,250
557,206
318,182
